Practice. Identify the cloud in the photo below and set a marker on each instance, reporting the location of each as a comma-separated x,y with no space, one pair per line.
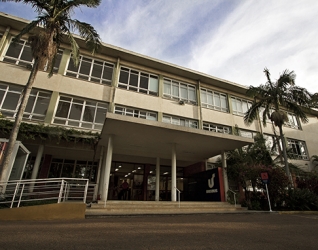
233,40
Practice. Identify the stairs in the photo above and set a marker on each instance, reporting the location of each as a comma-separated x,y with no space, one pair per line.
161,207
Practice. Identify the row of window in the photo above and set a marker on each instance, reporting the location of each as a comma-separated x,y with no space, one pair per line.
102,72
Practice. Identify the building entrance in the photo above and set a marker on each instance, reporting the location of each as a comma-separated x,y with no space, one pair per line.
141,182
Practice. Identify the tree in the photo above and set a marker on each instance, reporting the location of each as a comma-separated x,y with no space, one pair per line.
275,98
54,17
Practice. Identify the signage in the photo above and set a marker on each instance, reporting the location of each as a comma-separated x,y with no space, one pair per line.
264,177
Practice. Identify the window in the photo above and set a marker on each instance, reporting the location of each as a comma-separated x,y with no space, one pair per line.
180,121
216,128
80,113
297,149
10,99
240,106
179,91
90,69
214,100
73,169
292,121
271,144
21,54
138,81
247,134
136,113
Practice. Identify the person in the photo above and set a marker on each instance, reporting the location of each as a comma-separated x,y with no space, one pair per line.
125,187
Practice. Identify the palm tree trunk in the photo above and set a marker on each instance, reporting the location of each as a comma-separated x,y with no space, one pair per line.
284,151
4,175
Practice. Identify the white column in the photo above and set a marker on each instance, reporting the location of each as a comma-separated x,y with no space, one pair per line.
98,174
108,162
157,197
36,166
225,179
173,174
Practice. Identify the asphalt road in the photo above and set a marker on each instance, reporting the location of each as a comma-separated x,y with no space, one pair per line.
209,231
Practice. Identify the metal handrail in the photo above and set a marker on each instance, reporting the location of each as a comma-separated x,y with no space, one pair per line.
13,193
178,194
234,196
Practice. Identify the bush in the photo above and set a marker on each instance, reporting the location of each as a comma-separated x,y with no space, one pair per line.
301,199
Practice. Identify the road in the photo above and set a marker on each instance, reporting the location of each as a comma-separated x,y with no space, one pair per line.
208,231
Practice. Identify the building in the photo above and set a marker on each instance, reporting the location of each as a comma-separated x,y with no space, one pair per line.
160,124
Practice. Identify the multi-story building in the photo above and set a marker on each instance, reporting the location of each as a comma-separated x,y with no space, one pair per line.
160,124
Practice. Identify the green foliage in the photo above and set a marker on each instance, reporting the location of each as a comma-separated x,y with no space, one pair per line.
301,199
33,131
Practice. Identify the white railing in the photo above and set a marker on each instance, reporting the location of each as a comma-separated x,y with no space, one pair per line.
234,194
40,191
178,195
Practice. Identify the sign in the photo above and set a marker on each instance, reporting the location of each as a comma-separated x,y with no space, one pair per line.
264,177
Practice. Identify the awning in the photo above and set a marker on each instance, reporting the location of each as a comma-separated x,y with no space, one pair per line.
142,141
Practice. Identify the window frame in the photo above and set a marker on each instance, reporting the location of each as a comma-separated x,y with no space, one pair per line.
134,112
293,144
217,128
180,121
137,76
179,86
214,106
37,93
74,102
241,100
79,74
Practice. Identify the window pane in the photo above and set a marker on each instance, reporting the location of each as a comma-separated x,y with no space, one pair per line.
85,67
11,101
27,54
108,73
184,91
30,104
97,69
167,88
62,109
76,111
153,84
203,96
175,90
192,96
123,78
100,115
14,51
133,80
144,82
89,113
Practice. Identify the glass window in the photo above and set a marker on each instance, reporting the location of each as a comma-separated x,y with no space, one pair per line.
179,91
91,70
138,81
180,121
21,54
292,121
213,100
240,106
298,149
143,114
36,108
216,128
80,113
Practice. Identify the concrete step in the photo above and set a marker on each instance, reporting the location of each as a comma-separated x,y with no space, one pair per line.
161,207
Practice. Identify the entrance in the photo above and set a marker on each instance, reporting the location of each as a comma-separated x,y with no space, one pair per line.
141,181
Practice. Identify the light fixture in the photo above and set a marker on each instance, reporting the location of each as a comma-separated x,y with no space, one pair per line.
139,167
116,169
134,171
150,172
166,173
119,166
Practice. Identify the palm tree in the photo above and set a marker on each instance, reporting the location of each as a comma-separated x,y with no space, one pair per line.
54,18
274,99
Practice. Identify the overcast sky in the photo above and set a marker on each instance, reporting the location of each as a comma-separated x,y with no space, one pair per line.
230,39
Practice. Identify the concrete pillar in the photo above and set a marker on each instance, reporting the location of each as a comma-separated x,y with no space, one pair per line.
107,165
225,179
36,166
98,174
157,195
173,173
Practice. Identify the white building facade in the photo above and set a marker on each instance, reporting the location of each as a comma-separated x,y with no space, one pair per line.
159,123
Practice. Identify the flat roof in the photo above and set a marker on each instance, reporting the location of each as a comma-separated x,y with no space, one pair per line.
135,138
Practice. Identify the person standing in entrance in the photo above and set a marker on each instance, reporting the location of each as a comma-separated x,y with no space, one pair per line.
125,187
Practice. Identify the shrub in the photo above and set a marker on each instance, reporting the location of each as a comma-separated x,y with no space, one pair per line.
301,199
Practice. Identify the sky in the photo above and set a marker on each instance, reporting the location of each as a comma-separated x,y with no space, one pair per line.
229,39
